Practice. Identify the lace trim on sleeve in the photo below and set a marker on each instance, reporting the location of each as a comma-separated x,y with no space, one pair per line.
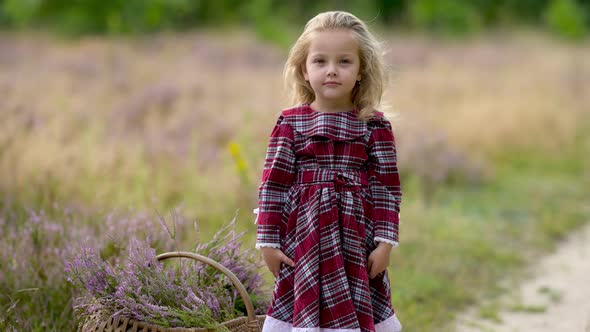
393,243
268,245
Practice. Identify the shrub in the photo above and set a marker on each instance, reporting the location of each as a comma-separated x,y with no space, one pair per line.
451,17
566,18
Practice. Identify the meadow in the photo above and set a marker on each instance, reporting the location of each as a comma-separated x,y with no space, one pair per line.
101,138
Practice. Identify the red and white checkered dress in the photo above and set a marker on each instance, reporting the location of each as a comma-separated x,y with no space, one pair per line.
330,191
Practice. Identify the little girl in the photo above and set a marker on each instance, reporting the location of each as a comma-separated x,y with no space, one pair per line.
330,195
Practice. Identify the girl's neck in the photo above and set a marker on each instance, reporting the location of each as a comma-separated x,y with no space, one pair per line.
331,107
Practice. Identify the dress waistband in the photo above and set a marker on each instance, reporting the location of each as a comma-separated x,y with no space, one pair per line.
343,178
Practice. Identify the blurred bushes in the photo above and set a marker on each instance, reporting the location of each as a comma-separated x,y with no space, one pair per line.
566,18
454,17
114,16
272,18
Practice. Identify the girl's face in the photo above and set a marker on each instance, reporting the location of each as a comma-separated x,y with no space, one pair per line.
332,67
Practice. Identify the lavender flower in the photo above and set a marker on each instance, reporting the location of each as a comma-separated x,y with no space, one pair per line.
184,295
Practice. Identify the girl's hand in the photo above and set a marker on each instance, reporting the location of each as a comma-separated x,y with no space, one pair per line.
379,259
273,257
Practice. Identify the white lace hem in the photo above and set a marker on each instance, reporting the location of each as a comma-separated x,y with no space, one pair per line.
391,324
393,243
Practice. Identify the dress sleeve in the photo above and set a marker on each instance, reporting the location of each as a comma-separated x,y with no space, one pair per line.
277,177
384,183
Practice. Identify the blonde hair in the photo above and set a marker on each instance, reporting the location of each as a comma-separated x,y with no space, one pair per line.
366,96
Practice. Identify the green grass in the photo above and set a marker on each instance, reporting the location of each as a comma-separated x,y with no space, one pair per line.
532,309
553,295
453,250
460,247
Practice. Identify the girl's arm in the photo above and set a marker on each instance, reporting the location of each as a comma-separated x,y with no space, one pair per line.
384,183
277,177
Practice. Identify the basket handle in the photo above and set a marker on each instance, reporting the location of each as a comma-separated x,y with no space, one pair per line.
232,277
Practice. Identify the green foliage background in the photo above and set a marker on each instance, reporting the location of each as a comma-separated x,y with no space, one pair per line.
272,18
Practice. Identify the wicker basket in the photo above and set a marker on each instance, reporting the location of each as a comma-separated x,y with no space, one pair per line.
251,323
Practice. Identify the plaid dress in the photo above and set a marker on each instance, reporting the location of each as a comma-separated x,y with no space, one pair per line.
330,192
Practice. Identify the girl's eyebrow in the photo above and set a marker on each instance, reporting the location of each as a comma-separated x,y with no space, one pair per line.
340,54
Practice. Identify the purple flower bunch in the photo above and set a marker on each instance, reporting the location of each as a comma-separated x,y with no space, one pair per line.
181,293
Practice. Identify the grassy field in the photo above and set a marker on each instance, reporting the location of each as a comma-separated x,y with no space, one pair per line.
97,136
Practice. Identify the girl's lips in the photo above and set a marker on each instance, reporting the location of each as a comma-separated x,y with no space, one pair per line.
331,83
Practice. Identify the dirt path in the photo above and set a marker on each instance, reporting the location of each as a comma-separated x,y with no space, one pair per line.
555,298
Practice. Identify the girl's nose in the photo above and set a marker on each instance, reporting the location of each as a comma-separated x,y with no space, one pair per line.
331,70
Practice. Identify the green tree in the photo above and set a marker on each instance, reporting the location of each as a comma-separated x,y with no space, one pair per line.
566,18
452,17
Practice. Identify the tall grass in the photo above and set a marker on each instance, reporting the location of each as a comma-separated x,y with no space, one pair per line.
492,134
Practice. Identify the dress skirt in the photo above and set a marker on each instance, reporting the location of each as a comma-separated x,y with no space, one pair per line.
329,236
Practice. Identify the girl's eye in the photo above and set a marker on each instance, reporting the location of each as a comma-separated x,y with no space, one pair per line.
318,61
344,61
